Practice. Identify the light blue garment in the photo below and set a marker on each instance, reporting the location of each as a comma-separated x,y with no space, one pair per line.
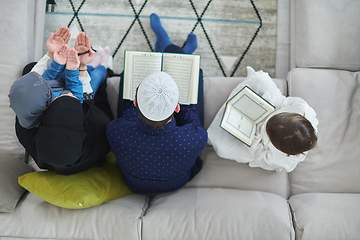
29,97
71,77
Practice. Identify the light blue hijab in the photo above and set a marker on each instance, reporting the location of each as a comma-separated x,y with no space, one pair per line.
29,97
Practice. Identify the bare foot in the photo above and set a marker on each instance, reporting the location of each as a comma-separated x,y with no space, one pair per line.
105,56
73,61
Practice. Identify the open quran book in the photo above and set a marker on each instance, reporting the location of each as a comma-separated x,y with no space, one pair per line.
183,68
243,112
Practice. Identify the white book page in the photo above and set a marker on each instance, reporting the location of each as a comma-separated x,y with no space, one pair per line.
184,69
251,106
238,125
137,66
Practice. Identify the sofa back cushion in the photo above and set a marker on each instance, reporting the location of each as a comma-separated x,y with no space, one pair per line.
325,34
333,166
17,48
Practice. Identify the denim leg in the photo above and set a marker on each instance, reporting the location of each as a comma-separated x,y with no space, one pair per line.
98,76
196,168
90,68
173,49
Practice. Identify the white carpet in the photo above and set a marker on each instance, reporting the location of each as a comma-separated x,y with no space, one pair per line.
230,25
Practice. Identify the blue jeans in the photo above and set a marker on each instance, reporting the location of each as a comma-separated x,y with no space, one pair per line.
71,78
98,76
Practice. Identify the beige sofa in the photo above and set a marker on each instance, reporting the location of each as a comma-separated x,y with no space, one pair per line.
325,47
227,200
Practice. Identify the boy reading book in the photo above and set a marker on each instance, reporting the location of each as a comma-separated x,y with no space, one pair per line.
243,112
282,139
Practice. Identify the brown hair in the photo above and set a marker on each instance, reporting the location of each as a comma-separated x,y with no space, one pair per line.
153,124
291,133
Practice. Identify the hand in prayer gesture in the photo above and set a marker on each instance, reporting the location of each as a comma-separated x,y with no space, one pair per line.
72,62
60,55
83,47
57,39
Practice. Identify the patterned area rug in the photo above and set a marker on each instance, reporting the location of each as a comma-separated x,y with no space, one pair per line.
231,34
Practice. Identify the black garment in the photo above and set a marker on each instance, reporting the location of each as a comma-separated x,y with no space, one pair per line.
101,100
28,68
92,153
64,145
60,136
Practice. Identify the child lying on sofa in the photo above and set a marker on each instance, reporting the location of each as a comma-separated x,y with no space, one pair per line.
281,141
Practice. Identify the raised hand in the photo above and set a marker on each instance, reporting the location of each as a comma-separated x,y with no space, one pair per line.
57,39
73,61
83,47
60,55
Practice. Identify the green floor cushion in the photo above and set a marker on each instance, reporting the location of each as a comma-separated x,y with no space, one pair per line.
82,190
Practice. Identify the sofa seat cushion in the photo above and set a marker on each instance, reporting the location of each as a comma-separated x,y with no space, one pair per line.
223,173
326,216
35,218
215,213
10,191
333,166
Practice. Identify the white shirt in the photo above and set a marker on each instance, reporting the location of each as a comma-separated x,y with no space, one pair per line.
262,152
45,62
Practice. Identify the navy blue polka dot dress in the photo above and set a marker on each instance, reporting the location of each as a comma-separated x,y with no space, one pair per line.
153,161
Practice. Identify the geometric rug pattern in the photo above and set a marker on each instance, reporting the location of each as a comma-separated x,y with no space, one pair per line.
231,34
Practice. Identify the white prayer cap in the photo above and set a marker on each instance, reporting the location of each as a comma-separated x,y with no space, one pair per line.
157,96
